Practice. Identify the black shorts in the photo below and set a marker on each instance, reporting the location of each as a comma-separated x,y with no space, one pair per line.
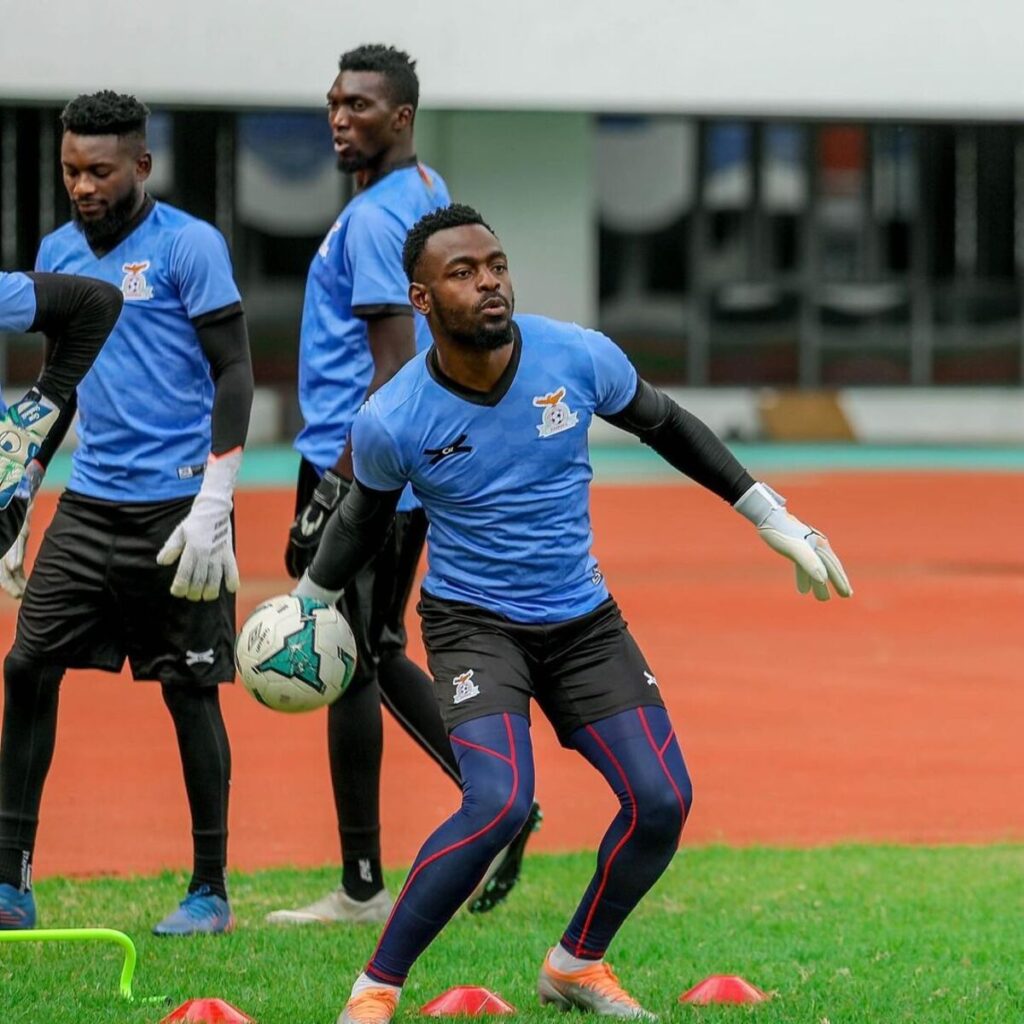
374,602
96,596
578,671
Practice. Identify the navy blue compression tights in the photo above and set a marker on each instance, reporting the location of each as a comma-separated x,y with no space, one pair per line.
637,753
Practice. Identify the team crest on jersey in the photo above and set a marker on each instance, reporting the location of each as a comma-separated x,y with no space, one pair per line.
557,416
134,287
464,686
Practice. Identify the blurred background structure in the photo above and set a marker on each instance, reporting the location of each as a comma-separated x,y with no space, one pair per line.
793,209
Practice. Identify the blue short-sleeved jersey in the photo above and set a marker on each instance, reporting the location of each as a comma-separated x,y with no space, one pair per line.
356,272
504,481
144,407
17,302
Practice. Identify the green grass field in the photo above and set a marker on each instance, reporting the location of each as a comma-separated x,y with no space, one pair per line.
845,934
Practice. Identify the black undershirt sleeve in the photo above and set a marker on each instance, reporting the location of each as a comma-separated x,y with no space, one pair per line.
683,441
58,431
76,314
224,338
353,535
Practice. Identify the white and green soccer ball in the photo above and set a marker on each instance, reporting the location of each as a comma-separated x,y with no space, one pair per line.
295,653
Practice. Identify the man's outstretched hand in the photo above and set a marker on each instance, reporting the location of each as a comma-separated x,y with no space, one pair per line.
817,565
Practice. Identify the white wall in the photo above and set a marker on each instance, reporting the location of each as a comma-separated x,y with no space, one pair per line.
931,58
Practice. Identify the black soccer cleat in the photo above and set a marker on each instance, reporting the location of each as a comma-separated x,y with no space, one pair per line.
504,871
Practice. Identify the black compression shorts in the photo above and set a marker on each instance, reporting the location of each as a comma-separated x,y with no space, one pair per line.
97,596
579,671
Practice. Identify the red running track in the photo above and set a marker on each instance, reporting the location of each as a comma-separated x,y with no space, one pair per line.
892,717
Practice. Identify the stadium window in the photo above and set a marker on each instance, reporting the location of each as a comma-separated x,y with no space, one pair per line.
287,194
645,185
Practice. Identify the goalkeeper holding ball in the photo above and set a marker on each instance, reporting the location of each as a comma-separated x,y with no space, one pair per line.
489,426
138,561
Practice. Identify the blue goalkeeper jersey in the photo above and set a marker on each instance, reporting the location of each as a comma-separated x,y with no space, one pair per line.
17,302
356,273
504,478
144,407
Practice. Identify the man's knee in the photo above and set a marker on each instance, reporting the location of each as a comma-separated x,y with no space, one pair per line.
498,813
662,811
24,671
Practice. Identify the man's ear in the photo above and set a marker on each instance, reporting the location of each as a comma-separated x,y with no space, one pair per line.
403,118
143,166
420,298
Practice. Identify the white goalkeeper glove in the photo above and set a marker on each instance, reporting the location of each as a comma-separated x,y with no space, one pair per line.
14,531
22,433
307,588
201,542
816,562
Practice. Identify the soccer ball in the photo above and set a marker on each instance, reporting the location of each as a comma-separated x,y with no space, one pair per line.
295,653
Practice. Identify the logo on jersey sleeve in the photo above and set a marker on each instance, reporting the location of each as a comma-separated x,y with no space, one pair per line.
557,416
456,447
464,686
134,287
325,245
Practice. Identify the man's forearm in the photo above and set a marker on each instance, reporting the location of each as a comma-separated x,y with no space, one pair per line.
353,535
76,314
225,343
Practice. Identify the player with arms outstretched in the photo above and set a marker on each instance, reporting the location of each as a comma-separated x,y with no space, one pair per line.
490,428
138,561
358,329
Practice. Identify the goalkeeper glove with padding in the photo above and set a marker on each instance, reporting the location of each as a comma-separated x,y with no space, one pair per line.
816,562
305,533
22,433
14,531
201,543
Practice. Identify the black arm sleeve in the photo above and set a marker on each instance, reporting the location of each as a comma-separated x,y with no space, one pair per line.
58,431
683,441
225,341
77,314
353,535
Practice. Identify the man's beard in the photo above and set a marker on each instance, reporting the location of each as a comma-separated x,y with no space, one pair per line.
107,228
354,164
477,335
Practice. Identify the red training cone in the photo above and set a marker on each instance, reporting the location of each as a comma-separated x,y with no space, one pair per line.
723,988
466,1001
213,1011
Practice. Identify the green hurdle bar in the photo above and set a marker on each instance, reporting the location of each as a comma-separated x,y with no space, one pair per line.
88,935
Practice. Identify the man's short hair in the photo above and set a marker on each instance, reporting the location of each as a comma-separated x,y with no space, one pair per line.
455,216
396,66
105,113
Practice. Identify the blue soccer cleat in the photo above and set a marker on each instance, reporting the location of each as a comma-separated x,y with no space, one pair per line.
17,908
199,913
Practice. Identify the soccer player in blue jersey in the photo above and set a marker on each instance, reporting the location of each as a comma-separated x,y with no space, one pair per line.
138,561
490,428
79,314
358,328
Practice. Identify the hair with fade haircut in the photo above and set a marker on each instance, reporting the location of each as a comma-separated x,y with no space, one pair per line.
395,65
457,215
105,113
